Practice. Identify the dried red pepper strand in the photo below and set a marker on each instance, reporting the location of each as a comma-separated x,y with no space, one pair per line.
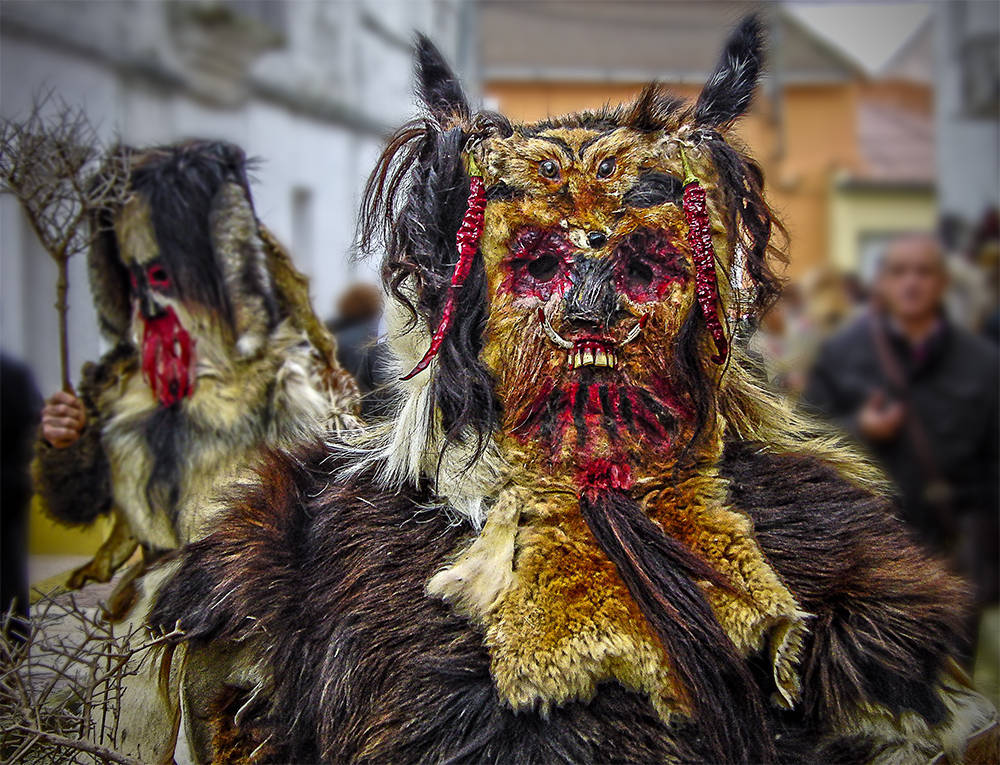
467,242
706,287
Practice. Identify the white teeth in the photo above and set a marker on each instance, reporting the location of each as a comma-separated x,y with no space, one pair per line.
591,357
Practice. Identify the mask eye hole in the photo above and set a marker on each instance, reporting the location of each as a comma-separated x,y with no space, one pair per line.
544,267
639,272
548,169
606,168
157,276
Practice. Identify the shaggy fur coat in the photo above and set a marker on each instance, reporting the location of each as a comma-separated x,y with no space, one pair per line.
187,248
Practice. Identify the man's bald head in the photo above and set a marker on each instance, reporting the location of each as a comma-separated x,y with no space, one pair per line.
909,246
912,277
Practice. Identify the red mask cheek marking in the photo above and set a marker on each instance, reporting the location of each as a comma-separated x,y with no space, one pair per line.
538,264
166,358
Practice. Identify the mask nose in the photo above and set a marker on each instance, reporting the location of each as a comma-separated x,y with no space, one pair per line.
592,300
148,307
597,239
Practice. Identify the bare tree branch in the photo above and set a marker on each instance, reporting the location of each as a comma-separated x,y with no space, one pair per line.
108,755
60,172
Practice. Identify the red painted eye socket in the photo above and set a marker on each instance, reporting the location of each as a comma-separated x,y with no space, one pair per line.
157,277
638,273
544,267
648,263
133,281
538,263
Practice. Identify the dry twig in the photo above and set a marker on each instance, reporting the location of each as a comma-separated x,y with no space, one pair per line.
61,174
61,683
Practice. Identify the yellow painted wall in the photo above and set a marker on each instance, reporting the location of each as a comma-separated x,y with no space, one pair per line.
46,537
855,212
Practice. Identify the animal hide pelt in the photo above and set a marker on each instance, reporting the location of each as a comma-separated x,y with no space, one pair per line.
329,587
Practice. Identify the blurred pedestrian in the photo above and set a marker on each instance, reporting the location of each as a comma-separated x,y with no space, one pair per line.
922,393
356,327
20,407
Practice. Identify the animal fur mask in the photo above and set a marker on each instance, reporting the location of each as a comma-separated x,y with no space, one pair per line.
183,258
569,286
586,313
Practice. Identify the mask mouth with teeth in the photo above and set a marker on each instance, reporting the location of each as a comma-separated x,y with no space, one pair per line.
599,258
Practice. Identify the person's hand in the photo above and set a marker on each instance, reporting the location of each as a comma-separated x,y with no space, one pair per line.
881,417
63,419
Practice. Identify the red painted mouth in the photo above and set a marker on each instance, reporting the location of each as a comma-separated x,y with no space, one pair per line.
592,352
166,358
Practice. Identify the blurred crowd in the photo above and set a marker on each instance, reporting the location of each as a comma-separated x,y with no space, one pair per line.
907,364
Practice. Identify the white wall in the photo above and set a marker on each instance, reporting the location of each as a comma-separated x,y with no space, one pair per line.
353,52
968,149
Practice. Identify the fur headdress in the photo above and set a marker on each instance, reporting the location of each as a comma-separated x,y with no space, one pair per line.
226,261
661,154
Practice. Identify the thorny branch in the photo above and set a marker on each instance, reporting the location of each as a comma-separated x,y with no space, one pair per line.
61,682
60,172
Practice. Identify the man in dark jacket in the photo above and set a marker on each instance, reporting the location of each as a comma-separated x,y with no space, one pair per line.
922,394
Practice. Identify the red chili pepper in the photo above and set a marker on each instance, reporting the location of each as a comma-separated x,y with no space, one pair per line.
706,287
467,241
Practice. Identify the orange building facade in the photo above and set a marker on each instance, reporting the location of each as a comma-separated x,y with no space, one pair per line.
848,158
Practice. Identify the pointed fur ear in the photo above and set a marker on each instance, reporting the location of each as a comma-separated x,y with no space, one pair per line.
437,84
728,91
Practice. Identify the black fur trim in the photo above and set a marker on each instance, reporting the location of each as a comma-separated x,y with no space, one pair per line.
887,616
167,438
654,189
418,232
661,575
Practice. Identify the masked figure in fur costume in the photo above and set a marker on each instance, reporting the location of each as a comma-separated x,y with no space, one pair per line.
587,536
215,354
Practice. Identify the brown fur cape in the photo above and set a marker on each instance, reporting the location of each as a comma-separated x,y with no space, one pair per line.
328,581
